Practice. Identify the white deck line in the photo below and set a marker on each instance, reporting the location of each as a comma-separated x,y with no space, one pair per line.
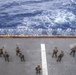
44,60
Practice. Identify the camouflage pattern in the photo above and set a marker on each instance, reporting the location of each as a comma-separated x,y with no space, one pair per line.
73,50
60,56
55,51
6,56
38,69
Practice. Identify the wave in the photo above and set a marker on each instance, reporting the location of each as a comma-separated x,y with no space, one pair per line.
38,14
53,19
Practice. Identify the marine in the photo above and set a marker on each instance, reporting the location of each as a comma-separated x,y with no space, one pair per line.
55,51
60,56
38,69
1,51
73,50
6,56
17,50
21,56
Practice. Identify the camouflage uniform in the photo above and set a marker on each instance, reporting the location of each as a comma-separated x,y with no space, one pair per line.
60,56
6,56
73,50
38,69
17,50
55,51
21,56
1,51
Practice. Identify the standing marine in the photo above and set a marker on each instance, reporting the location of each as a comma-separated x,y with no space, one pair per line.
1,51
60,56
73,50
6,56
21,56
38,69
55,51
17,50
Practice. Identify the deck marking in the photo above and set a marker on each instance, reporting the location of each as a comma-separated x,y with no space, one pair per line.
44,60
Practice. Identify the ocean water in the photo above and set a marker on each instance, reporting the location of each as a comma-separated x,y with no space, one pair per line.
42,17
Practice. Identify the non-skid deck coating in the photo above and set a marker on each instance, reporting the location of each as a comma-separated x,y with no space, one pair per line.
31,48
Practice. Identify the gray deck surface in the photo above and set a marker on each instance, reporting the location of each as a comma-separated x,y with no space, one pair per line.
31,48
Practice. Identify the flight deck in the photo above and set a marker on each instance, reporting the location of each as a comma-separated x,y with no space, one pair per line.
38,51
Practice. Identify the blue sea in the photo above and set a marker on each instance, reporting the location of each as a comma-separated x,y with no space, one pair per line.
41,17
